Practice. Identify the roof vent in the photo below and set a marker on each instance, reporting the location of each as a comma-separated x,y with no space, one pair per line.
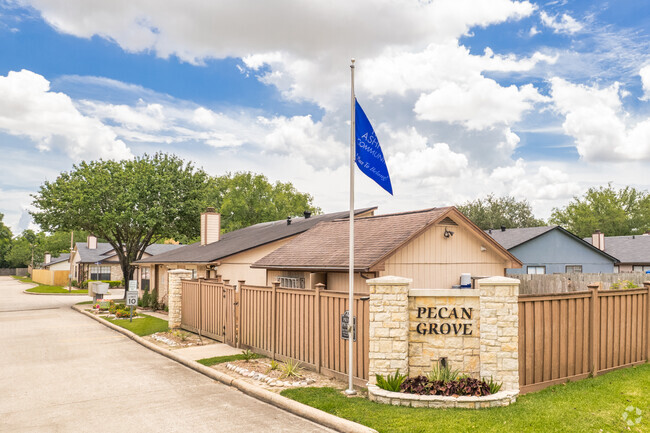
307,214
288,220
448,222
503,228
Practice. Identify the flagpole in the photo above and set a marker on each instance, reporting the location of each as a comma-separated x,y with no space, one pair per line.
350,390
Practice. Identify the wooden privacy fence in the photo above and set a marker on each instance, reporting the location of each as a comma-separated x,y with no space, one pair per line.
304,325
567,283
571,336
50,278
209,308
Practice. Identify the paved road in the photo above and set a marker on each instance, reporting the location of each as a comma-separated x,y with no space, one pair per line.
63,372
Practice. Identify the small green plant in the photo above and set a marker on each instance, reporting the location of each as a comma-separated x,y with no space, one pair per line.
291,368
274,365
390,382
624,284
493,385
444,374
182,335
248,355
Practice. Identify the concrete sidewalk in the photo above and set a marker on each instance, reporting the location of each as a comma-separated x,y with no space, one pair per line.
208,351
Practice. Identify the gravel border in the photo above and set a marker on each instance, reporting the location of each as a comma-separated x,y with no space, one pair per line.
312,414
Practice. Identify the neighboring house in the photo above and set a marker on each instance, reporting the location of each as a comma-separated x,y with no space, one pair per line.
633,252
230,255
433,247
552,250
61,263
92,260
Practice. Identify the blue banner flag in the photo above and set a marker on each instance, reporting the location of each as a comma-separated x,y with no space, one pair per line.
369,157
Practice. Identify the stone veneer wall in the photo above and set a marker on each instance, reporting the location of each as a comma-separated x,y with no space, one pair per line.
174,295
388,333
490,351
500,330
461,351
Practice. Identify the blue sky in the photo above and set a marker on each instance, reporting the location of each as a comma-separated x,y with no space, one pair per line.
540,100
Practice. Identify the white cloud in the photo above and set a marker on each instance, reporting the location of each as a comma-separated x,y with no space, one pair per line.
28,108
477,105
594,117
645,82
533,31
563,24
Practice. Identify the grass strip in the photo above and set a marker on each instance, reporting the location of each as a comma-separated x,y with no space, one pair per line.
221,359
589,405
85,303
56,289
144,325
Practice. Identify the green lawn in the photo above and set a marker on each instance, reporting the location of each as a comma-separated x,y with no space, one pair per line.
145,325
55,289
221,359
590,405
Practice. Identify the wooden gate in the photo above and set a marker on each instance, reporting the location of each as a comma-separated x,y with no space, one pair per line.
208,308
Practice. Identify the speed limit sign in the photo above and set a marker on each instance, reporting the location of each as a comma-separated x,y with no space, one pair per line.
131,298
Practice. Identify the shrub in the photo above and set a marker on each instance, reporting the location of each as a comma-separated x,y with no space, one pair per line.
624,284
182,335
291,369
145,301
274,365
390,382
125,313
444,374
74,283
468,386
493,386
248,355
113,284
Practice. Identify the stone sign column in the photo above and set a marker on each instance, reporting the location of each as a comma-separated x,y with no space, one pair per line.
499,330
389,326
174,295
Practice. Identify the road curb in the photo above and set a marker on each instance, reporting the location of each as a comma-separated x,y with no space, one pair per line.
55,294
315,415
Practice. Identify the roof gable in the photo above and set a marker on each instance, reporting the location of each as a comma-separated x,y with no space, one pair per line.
376,238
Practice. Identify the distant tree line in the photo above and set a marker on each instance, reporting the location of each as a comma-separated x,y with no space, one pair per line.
615,212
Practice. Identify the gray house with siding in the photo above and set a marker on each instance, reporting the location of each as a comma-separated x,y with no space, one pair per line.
552,250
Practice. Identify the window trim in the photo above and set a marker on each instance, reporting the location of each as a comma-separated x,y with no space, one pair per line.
528,267
566,269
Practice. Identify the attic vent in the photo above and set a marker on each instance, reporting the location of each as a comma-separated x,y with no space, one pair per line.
448,222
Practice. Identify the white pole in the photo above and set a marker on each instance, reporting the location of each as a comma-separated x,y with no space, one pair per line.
350,390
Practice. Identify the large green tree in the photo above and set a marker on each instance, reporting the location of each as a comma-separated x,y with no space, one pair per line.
130,203
22,248
245,198
5,242
615,212
493,212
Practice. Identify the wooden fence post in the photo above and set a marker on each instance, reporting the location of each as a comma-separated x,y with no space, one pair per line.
646,284
594,324
274,316
238,312
319,287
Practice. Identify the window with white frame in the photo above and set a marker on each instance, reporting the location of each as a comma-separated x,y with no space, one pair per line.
98,273
573,269
536,270
616,269
637,268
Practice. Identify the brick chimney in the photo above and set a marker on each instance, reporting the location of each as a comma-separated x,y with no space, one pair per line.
48,258
210,226
91,242
598,240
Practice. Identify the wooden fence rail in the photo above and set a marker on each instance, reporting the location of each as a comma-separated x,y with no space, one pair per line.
304,325
570,336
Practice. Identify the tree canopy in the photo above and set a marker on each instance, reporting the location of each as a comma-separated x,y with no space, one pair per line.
129,203
245,198
5,242
493,212
625,211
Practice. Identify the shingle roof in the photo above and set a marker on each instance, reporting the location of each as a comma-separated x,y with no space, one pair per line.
628,249
100,253
510,238
62,258
325,247
245,239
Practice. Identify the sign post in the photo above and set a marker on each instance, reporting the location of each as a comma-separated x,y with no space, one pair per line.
132,297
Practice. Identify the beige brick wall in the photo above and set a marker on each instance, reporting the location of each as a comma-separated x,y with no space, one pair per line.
116,273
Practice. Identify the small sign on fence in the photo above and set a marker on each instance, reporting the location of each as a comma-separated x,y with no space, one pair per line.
345,323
